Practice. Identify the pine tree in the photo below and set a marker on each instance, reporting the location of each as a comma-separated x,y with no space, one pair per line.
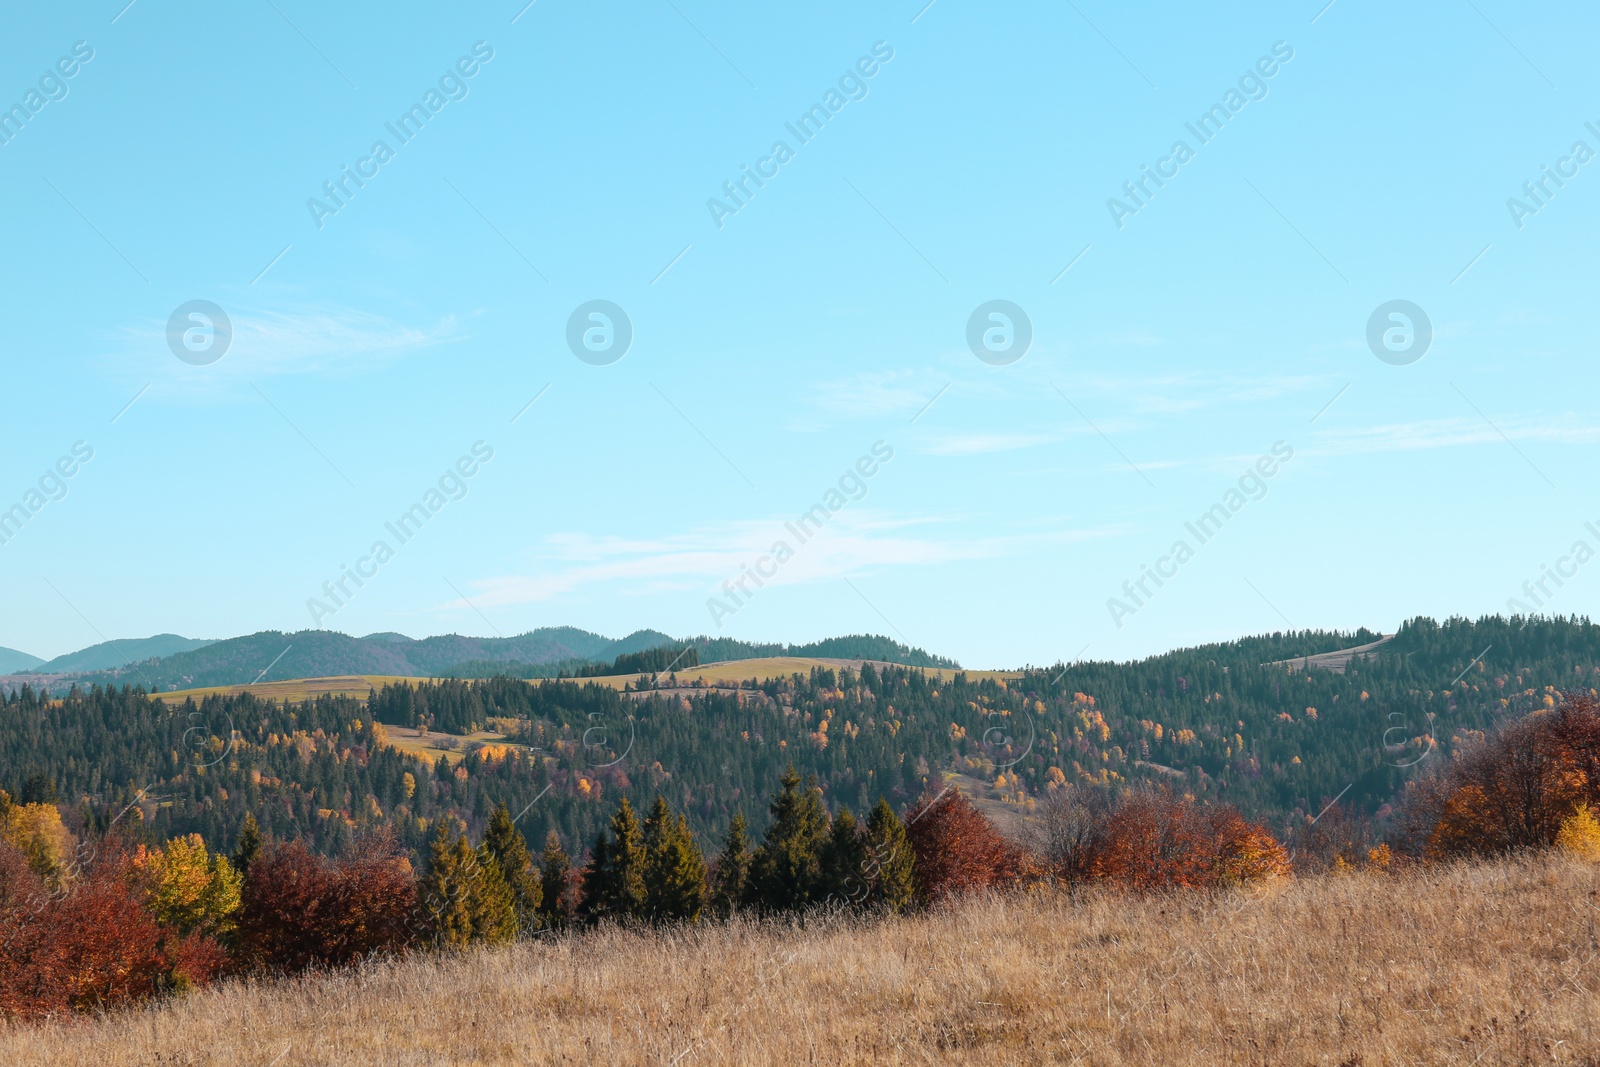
732,871
509,851
785,871
674,870
554,868
249,845
845,871
465,897
890,858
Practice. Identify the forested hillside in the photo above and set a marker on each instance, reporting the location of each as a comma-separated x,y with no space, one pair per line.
548,652
1276,741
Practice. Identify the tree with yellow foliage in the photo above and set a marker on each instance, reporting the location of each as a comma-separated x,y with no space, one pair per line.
1580,834
191,889
37,830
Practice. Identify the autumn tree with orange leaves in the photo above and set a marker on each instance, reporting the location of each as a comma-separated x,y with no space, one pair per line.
1511,790
1154,840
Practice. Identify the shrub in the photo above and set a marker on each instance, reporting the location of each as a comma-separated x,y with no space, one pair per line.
1154,840
300,909
1513,789
1580,834
957,851
190,889
89,944
37,830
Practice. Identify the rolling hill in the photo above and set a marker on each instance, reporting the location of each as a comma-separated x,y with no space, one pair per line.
274,655
12,661
113,655
168,662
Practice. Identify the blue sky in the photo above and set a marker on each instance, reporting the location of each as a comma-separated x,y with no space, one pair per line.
371,353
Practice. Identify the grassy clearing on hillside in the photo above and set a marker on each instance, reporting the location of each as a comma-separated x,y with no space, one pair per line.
1487,964
428,744
295,690
733,672
730,673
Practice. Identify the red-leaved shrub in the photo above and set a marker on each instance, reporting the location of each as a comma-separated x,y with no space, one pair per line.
301,909
1153,840
959,851
88,943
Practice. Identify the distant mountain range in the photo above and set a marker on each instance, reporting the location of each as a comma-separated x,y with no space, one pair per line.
168,661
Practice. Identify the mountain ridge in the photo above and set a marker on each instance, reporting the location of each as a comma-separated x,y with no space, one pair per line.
275,655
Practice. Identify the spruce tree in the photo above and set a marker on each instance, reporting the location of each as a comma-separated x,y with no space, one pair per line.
595,892
786,869
249,845
845,870
732,871
613,883
494,903
509,851
554,868
446,891
890,858
674,869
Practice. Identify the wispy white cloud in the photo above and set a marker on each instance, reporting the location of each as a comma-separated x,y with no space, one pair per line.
273,341
875,394
309,341
1451,433
701,560
980,443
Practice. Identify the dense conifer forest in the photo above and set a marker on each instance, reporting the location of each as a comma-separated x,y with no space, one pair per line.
1278,742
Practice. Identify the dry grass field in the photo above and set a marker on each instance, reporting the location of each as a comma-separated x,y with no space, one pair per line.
1480,964
295,689
732,672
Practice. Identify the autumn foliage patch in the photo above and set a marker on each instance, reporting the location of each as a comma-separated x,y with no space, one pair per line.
88,945
1153,840
1515,789
301,909
958,851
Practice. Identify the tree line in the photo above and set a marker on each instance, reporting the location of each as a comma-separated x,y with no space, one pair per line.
1277,742
92,917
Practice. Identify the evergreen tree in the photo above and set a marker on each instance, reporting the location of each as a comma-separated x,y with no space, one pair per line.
846,873
613,882
465,897
249,845
509,851
494,902
554,868
786,869
446,891
889,856
595,891
732,871
674,869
